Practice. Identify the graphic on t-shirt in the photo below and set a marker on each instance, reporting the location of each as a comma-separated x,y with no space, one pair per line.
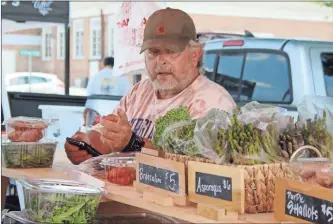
143,127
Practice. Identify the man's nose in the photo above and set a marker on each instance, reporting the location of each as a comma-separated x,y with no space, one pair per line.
161,59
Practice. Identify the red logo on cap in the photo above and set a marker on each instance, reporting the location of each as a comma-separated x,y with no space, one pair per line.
160,30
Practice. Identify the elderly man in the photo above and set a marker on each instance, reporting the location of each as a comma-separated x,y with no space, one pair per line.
172,58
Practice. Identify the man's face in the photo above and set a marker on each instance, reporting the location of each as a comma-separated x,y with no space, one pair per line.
170,70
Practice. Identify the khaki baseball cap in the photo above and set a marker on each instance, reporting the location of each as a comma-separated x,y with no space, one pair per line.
169,28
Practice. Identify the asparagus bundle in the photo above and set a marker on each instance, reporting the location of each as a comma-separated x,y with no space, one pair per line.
315,133
290,140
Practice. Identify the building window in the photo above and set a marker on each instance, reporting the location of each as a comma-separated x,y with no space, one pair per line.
111,27
78,32
61,42
95,38
46,44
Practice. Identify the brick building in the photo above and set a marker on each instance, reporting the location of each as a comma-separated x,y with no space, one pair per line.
88,44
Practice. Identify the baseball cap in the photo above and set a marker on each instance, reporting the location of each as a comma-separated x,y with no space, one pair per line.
169,28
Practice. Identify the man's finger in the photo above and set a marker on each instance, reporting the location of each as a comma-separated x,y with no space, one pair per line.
79,159
107,142
109,134
77,153
69,147
122,115
111,126
110,117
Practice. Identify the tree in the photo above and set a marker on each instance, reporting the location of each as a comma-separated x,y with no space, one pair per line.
327,4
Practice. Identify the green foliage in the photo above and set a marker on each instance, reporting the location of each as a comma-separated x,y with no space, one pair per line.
171,117
61,208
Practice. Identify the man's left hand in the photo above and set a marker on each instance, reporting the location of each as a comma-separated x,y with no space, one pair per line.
116,132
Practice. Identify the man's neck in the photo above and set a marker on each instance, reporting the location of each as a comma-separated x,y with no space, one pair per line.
108,66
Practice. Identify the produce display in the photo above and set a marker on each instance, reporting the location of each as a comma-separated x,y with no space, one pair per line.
60,201
26,129
315,133
247,143
178,138
290,140
119,170
316,171
121,175
29,154
171,117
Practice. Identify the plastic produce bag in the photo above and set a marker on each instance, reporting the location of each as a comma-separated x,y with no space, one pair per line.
208,137
315,120
178,139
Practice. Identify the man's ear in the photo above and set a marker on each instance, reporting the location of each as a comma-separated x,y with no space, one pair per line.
196,55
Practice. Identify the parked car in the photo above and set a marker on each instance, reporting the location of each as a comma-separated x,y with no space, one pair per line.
34,82
275,71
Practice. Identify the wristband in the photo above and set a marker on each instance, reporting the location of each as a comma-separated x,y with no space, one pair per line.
135,144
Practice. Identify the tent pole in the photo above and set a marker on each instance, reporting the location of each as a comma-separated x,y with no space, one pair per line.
67,58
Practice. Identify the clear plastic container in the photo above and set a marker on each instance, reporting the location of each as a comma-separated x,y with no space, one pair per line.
16,217
318,171
28,154
119,170
60,201
26,129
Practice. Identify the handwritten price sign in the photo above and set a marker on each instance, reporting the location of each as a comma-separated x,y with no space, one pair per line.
158,177
308,208
302,202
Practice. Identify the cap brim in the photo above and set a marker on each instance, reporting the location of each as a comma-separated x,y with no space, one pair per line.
176,45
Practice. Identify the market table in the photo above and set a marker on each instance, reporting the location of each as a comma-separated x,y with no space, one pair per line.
122,198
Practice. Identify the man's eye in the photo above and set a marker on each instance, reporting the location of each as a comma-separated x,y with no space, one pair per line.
170,51
154,52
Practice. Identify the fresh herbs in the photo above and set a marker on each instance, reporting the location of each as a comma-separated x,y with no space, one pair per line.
30,155
62,208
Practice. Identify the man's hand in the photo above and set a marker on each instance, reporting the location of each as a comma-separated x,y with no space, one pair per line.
74,154
77,156
116,131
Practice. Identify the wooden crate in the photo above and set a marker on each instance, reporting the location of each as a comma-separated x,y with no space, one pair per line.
259,181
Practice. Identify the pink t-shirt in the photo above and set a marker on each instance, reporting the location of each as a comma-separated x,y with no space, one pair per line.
142,106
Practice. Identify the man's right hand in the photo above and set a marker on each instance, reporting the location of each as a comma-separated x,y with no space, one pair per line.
74,154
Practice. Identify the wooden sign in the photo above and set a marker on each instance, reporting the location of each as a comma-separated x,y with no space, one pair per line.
161,176
218,185
302,202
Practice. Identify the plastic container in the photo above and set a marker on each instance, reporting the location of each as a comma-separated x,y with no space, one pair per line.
60,201
16,217
119,170
318,171
28,154
26,129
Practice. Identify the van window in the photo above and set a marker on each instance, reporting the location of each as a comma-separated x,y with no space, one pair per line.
327,62
229,72
208,64
268,75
